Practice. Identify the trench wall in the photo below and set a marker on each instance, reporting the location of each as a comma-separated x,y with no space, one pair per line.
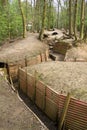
61,47
52,103
13,67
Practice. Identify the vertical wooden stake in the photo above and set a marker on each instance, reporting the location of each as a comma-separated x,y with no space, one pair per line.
18,77
44,102
36,79
26,81
63,115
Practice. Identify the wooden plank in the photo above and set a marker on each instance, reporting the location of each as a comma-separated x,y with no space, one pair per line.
51,109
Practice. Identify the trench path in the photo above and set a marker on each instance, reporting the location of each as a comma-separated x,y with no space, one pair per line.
16,114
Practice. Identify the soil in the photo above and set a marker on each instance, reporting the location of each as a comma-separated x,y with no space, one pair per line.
20,114
20,49
15,115
64,77
78,53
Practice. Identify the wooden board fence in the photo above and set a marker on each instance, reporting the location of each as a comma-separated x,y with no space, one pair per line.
27,61
40,95
52,103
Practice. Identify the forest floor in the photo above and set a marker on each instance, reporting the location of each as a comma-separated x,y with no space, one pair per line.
78,53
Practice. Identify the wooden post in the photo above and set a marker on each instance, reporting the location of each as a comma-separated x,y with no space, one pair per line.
36,79
63,115
26,80
44,104
25,61
18,78
12,85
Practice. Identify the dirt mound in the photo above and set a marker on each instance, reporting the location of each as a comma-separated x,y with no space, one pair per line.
64,77
77,53
21,49
14,115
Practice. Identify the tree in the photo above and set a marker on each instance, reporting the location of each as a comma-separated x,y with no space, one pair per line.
82,19
4,2
70,18
75,20
37,15
49,13
43,20
26,11
23,19
64,15
58,5
34,3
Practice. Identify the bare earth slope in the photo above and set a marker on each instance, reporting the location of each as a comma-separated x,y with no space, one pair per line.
22,48
64,77
14,115
78,53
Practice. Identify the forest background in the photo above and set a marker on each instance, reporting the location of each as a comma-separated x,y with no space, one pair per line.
19,16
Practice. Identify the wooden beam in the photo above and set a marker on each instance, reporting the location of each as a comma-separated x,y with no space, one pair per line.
64,112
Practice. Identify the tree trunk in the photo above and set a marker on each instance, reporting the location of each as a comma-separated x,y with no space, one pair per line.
43,21
58,2
82,19
70,18
49,15
37,10
75,20
4,2
23,19
8,17
26,11
34,16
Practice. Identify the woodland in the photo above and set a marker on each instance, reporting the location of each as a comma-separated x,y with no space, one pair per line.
48,31
19,16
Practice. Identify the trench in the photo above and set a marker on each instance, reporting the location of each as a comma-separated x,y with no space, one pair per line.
4,69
